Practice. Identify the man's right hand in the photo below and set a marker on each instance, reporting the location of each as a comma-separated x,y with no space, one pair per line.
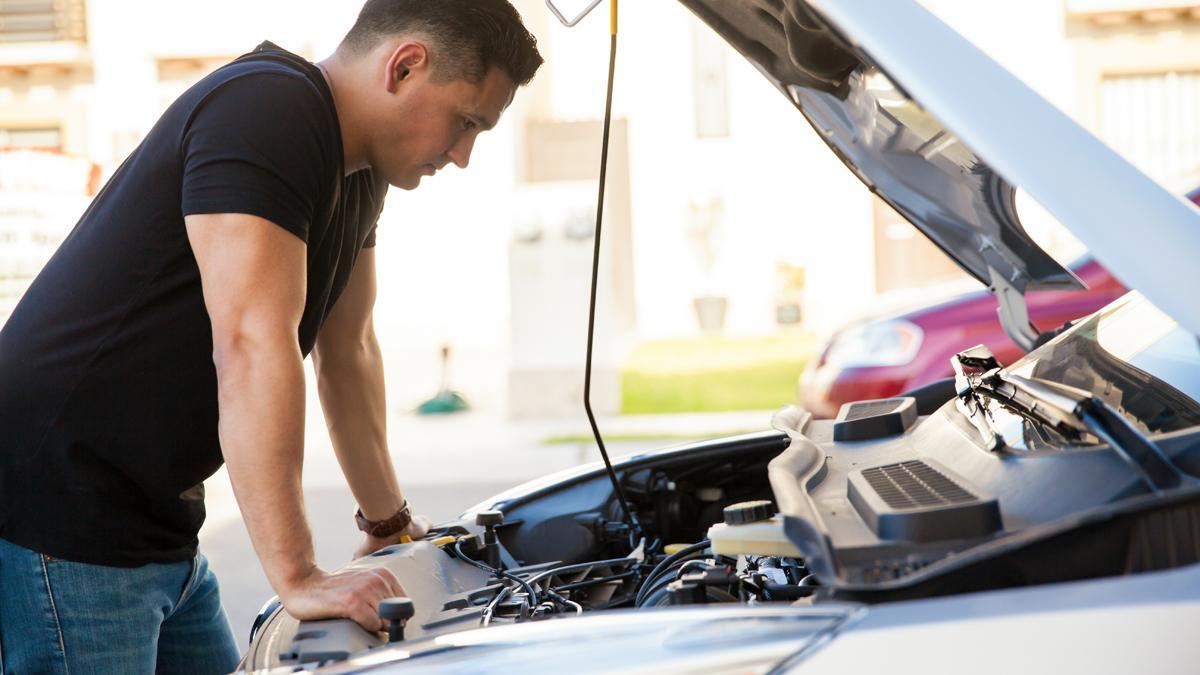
352,594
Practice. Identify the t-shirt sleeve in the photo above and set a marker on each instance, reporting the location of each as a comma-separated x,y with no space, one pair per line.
256,145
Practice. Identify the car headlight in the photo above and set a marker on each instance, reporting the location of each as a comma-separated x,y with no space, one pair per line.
879,343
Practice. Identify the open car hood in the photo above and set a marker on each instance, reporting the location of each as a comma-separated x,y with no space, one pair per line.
944,135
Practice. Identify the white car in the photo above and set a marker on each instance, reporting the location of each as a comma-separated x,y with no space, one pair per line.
1043,518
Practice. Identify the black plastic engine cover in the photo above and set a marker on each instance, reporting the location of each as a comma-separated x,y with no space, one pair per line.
914,501
865,420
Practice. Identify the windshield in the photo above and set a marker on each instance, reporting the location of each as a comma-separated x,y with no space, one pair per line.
1129,354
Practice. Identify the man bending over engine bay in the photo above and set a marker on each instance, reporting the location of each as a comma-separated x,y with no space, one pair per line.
238,237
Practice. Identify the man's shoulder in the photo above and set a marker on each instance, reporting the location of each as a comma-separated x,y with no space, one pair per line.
279,75
270,58
259,93
268,74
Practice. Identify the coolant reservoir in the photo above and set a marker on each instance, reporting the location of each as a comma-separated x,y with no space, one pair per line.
750,528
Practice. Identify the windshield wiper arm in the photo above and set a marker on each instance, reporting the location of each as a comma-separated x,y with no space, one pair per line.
975,360
1069,411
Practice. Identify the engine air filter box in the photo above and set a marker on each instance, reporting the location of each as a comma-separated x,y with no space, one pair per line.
864,420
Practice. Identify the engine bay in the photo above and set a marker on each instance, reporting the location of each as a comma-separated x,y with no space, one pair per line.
878,505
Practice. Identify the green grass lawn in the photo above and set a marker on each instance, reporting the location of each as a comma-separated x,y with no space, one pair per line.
713,374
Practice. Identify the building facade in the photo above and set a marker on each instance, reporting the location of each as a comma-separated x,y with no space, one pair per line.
725,213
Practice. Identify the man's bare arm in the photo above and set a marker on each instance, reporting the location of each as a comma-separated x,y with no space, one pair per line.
349,369
253,278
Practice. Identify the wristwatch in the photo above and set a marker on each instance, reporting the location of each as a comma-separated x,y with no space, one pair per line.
387,527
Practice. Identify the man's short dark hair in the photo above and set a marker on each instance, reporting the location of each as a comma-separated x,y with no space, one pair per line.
467,37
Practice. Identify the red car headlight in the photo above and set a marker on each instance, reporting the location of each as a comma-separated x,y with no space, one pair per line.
882,343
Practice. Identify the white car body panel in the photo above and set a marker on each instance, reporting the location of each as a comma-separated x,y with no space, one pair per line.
1141,624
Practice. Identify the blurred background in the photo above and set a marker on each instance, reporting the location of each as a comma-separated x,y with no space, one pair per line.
737,250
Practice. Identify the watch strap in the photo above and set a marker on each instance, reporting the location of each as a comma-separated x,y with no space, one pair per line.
386,527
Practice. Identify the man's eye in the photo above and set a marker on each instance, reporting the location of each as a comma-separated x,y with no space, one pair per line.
469,124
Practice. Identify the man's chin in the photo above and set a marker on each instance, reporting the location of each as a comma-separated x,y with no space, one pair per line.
406,183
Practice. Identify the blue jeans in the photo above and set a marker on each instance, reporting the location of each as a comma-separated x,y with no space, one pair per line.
62,617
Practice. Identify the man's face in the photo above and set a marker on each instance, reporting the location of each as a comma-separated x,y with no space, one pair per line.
428,124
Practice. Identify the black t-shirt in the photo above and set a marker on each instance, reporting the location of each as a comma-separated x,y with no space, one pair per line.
108,393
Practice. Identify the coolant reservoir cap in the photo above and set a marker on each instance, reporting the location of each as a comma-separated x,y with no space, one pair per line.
743,513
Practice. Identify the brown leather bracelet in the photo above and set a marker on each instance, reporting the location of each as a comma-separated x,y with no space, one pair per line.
387,527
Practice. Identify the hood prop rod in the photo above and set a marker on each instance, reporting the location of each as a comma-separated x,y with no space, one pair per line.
571,23
635,528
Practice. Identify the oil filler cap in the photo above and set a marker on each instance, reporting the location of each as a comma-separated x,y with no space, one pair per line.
744,513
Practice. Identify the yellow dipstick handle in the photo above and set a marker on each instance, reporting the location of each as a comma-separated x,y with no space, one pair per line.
612,17
444,541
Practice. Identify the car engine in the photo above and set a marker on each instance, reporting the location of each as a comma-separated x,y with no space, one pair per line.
563,550
885,504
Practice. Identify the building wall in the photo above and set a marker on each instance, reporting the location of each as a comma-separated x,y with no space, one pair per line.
718,201
721,188
1138,83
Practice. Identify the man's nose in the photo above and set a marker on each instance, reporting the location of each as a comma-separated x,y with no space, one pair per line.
460,152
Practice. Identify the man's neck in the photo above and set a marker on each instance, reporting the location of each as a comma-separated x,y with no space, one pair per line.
339,78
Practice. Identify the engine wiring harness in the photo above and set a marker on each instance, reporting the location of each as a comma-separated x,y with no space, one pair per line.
689,574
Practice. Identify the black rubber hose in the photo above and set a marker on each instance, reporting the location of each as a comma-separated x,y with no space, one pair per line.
531,599
787,591
655,598
666,564
588,583
660,596
660,585
667,574
491,608
579,566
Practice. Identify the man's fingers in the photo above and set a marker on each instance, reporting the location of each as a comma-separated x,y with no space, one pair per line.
394,589
419,527
368,618
355,595
382,581
363,606
374,586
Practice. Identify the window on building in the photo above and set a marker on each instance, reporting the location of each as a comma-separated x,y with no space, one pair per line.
31,139
43,21
711,83
1154,121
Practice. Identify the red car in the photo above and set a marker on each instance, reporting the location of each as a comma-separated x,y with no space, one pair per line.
891,355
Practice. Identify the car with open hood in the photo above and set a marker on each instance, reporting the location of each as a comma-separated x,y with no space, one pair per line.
1044,515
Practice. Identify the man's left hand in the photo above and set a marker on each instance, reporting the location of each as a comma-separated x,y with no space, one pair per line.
416,530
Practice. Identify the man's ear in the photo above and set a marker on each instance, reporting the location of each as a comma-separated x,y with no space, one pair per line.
405,60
